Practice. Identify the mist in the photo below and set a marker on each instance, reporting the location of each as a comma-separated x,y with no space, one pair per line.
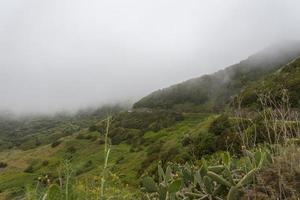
64,55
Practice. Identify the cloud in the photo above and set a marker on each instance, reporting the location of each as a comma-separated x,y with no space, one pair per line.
68,54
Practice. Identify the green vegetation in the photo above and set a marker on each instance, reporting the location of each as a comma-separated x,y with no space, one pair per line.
287,77
225,180
211,93
207,138
127,161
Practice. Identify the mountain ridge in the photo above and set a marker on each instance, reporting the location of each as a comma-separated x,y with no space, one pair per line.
211,92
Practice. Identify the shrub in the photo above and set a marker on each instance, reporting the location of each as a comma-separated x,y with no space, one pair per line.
205,144
45,163
93,128
229,142
187,140
155,148
120,134
3,164
29,169
86,137
101,141
120,159
220,125
71,149
147,120
170,154
80,136
55,143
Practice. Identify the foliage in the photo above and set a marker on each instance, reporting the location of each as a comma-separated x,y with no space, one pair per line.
3,164
55,143
29,169
32,131
215,91
220,125
287,78
227,179
93,128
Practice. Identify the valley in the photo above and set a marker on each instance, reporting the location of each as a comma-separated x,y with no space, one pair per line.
242,118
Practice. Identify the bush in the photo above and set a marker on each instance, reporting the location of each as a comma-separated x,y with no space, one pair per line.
120,134
85,168
29,169
3,164
147,162
80,136
147,120
204,144
101,141
93,128
187,140
120,160
55,143
155,148
220,125
45,163
229,142
86,137
71,149
170,154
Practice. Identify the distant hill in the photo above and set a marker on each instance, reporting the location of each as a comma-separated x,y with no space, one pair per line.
28,132
212,92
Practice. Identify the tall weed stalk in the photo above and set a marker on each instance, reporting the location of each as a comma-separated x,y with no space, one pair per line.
106,153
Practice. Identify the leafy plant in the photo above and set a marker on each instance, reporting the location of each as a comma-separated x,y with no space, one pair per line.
226,180
167,187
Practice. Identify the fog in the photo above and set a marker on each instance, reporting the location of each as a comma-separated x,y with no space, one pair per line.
68,54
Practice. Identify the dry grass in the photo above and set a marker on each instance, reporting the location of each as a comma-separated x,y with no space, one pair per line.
281,179
19,160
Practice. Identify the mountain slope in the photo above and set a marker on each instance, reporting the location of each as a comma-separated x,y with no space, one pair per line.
287,77
212,92
141,138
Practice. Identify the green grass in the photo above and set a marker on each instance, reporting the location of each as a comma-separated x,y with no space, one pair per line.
124,162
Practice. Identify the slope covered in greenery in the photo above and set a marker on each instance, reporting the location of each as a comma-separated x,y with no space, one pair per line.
213,92
32,131
287,77
212,153
130,157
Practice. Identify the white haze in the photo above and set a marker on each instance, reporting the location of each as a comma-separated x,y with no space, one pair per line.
68,54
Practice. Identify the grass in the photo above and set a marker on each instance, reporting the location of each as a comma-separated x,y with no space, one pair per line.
123,161
126,164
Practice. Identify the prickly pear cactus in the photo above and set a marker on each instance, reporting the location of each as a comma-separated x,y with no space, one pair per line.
223,181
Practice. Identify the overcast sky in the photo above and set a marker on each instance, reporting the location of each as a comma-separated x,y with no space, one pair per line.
68,54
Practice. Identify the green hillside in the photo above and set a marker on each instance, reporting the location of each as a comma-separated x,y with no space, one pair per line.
212,92
30,132
287,77
188,141
133,153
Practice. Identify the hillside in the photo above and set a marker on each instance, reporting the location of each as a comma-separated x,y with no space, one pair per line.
32,131
134,152
287,77
211,93
191,143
